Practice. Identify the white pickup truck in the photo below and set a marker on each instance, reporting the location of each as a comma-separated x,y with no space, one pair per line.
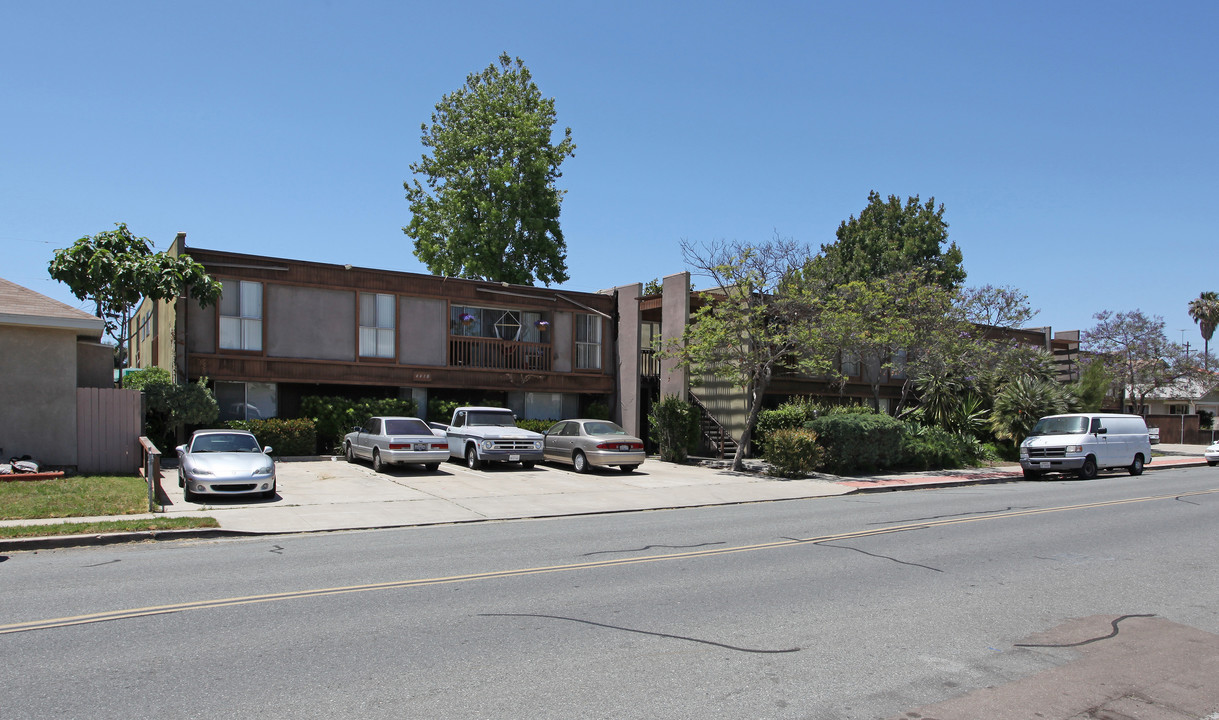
489,434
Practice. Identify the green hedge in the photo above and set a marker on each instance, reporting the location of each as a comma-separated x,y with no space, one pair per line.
336,416
933,448
860,442
674,428
790,415
792,452
287,438
538,426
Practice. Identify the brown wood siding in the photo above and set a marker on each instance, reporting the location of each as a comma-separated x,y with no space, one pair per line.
289,370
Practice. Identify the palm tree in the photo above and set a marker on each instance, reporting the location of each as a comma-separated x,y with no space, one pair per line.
1204,309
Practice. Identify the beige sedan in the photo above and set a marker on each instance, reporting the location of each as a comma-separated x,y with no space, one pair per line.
592,443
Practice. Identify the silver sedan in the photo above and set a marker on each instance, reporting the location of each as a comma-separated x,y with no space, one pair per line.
225,462
396,441
592,443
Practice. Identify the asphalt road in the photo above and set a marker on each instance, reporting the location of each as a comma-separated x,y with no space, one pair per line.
864,606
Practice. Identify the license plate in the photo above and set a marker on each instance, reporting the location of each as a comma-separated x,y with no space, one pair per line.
624,447
420,447
513,458
1044,464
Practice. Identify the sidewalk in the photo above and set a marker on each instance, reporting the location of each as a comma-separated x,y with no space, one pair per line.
326,495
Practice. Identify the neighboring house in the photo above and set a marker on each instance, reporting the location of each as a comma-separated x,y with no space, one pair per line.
1174,410
287,329
47,351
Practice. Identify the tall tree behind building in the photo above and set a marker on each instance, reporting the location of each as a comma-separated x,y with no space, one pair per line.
488,207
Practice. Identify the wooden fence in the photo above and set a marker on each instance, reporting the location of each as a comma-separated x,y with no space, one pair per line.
109,422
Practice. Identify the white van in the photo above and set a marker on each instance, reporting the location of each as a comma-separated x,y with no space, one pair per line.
1084,443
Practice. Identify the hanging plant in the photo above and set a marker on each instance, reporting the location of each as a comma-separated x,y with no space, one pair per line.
467,318
541,325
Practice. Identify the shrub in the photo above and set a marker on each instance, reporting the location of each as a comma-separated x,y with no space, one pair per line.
857,441
674,428
934,448
169,406
334,417
287,437
538,426
792,452
790,415
441,411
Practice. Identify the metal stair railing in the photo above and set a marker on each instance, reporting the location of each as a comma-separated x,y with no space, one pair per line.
714,432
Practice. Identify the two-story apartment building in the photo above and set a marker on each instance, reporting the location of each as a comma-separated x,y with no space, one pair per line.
286,329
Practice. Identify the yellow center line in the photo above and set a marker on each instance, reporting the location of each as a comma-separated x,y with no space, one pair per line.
521,572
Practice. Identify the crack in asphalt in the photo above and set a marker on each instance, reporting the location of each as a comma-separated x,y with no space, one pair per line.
649,547
641,632
1178,499
1087,642
883,557
108,562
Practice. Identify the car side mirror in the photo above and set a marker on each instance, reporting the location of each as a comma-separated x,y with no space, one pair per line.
266,450
1102,431
356,428
181,449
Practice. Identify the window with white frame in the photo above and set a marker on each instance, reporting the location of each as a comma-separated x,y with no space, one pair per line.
376,325
241,315
588,342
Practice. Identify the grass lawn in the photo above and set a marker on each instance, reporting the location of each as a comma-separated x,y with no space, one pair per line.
83,496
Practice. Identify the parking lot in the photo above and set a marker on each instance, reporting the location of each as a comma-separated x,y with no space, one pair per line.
331,494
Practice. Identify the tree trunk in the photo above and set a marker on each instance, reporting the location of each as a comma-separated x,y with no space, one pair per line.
755,408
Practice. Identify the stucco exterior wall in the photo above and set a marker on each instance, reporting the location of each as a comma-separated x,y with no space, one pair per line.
200,328
94,365
301,322
674,380
39,382
626,362
423,331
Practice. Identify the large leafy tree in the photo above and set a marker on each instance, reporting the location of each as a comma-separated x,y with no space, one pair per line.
883,321
1204,310
758,317
488,207
890,236
115,269
1136,352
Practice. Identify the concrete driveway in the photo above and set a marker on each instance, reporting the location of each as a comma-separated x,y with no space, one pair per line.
331,494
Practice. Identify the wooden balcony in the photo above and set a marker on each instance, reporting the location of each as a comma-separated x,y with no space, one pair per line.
472,352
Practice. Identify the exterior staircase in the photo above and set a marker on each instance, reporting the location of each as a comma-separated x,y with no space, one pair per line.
714,436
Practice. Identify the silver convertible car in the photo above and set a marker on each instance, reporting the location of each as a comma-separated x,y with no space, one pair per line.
225,462
592,443
396,440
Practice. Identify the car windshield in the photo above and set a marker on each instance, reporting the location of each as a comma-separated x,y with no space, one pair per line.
406,426
224,442
503,419
1060,426
603,428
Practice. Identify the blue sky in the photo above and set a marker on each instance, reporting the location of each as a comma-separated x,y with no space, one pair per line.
1073,144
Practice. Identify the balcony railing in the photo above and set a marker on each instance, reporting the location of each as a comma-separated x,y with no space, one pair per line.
649,364
498,354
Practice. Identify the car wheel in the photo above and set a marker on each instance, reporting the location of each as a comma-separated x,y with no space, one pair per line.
1032,475
580,462
1212,464
1136,468
351,456
431,467
268,494
377,465
189,496
627,468
1088,470
527,464
472,458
